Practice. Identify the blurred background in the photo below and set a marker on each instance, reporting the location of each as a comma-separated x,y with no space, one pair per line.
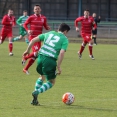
58,11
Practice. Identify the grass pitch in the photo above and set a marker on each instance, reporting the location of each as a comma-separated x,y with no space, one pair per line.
93,82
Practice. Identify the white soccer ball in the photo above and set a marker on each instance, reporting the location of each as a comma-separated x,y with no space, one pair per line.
68,98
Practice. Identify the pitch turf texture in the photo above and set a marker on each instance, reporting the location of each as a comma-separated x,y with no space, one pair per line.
93,82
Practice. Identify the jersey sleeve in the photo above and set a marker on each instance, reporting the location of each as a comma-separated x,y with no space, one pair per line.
14,21
19,21
4,21
77,20
65,44
25,25
41,37
45,24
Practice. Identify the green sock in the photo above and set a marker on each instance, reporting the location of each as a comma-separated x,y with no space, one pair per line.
45,87
16,38
27,41
38,84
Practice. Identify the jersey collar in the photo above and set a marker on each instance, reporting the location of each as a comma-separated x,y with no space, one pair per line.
37,15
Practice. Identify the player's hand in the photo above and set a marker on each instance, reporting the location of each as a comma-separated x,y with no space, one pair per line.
93,28
30,32
25,53
21,24
99,17
48,27
59,70
77,29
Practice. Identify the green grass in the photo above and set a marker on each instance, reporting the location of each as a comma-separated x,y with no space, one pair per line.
93,82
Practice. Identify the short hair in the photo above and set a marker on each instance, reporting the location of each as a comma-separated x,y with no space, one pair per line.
63,27
86,10
24,11
10,9
37,5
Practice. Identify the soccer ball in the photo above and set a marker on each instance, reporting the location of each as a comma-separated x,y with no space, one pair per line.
68,98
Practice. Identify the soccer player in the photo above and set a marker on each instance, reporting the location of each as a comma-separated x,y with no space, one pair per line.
22,32
8,22
36,23
54,47
94,32
87,24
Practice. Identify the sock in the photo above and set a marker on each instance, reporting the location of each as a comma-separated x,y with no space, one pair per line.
16,38
30,62
10,47
45,87
38,84
82,48
31,55
26,40
94,39
90,49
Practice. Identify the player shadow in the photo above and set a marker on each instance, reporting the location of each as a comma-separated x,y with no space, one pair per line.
77,107
91,108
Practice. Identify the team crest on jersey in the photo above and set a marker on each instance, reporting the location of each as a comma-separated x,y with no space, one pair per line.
42,19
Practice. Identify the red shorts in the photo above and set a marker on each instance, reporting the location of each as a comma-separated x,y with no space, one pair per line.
86,38
6,33
36,46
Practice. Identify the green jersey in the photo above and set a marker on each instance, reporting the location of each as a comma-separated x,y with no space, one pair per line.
53,43
21,20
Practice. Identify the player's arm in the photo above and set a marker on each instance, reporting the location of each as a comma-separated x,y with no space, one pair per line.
61,55
60,59
14,22
46,25
94,25
5,22
99,19
25,25
76,23
19,21
34,40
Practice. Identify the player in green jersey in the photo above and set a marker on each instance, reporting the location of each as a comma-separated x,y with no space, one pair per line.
22,32
50,57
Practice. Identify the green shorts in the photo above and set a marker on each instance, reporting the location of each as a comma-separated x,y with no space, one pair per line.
46,66
22,31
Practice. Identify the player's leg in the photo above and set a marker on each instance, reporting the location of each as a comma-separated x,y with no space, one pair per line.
3,35
82,49
48,72
26,39
84,43
10,46
91,49
94,36
17,38
31,55
35,48
10,36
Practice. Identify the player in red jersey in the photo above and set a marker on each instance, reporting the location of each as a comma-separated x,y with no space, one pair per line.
8,22
87,25
36,23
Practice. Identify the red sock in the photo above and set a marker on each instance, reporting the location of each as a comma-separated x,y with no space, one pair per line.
31,55
90,49
81,49
10,47
30,62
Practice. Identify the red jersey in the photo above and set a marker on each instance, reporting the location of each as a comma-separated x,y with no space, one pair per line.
8,22
86,24
36,24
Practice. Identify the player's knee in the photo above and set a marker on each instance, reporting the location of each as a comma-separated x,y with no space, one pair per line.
52,81
1,41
